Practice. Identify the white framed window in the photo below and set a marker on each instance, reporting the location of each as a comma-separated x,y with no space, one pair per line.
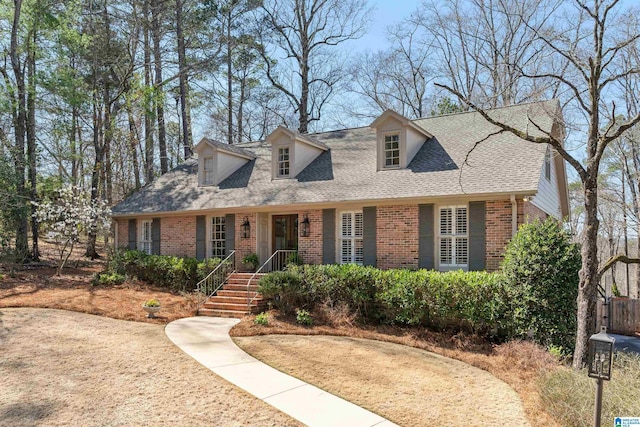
350,241
453,236
283,165
547,164
207,170
392,150
218,237
145,237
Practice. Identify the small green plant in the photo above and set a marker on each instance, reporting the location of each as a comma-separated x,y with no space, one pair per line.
303,317
615,291
152,303
107,279
261,319
294,258
251,261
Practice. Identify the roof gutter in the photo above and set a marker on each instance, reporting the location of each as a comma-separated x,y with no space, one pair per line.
514,215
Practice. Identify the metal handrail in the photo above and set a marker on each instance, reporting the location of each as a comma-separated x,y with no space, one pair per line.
209,282
268,261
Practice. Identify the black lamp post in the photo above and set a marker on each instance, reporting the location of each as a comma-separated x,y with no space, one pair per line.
246,228
600,357
305,227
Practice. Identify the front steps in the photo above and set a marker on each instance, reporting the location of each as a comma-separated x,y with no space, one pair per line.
231,300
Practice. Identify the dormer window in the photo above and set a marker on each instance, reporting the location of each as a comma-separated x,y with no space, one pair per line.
398,140
392,150
283,162
207,171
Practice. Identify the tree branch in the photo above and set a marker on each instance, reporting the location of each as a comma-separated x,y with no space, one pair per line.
616,259
523,135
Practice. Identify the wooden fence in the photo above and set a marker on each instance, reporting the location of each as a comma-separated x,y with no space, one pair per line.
624,316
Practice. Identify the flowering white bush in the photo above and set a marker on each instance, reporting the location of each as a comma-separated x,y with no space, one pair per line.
68,217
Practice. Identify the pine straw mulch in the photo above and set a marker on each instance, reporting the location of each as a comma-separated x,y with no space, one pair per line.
37,285
519,364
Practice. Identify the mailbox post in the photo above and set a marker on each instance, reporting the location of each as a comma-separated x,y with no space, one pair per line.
600,357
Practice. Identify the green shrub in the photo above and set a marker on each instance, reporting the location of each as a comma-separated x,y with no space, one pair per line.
303,317
569,395
108,279
541,268
251,260
285,287
474,301
175,273
261,319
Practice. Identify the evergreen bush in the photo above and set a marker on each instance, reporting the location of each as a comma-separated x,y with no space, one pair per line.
541,268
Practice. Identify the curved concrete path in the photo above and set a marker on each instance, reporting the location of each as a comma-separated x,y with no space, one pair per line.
207,340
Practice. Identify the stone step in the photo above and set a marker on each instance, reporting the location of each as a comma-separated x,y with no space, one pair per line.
246,275
243,281
239,287
233,300
230,306
231,293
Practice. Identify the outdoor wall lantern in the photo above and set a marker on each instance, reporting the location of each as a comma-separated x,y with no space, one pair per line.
305,227
600,357
246,228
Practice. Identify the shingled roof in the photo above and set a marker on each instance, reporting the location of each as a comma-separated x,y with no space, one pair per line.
501,163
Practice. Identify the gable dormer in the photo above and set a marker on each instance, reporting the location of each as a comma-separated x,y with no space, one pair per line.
217,161
398,140
291,152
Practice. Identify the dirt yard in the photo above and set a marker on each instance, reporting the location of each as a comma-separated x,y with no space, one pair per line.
64,368
408,386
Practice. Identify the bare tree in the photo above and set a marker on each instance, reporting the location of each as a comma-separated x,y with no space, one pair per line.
301,33
396,78
593,55
483,47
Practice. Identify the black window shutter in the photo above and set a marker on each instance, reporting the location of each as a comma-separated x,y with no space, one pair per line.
426,237
369,253
133,234
328,236
230,233
201,231
155,236
477,236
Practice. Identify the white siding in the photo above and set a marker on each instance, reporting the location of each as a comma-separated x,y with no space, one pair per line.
303,155
548,196
226,164
414,142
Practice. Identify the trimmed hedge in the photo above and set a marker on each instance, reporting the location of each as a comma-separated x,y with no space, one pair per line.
474,302
175,273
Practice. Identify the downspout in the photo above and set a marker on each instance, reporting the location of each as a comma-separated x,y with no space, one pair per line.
514,215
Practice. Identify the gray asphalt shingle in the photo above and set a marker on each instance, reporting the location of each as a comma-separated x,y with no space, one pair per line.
347,172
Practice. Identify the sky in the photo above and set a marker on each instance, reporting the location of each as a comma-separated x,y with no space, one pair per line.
386,13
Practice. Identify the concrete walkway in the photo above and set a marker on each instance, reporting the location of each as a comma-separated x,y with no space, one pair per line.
207,340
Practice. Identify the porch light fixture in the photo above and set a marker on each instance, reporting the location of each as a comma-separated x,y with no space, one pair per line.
600,356
246,228
305,227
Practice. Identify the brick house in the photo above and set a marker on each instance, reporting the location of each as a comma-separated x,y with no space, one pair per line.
399,193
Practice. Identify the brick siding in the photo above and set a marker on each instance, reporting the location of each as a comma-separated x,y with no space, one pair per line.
178,236
310,248
498,231
397,236
245,246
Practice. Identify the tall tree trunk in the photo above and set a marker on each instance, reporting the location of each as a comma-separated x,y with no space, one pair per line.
148,124
158,89
20,120
184,87
73,146
91,251
133,152
589,278
31,140
229,80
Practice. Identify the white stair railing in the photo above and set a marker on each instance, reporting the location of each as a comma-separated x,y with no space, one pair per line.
217,278
276,262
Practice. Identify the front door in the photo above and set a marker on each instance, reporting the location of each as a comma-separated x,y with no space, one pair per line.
285,232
